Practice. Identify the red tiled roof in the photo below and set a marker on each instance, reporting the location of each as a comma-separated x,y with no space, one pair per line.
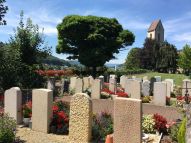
153,25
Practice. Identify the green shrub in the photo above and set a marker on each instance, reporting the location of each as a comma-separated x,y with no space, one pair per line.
102,126
173,132
146,99
148,124
182,132
7,129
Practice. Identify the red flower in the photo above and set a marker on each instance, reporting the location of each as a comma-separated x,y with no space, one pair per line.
55,108
160,123
59,126
122,94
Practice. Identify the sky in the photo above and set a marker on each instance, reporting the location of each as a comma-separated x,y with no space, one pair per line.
134,15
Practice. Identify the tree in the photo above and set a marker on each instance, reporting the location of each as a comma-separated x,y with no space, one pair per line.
92,40
3,11
30,42
150,54
167,58
184,60
133,60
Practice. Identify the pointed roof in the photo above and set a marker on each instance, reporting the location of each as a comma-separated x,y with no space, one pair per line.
153,25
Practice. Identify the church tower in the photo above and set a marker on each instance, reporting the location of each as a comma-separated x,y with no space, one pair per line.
156,31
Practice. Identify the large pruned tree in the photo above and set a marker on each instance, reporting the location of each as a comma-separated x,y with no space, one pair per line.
167,58
92,40
150,54
3,11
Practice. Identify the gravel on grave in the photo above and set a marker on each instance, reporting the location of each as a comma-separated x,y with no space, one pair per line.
27,135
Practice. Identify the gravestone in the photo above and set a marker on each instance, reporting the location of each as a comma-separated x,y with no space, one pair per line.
146,88
13,103
86,81
42,101
133,88
138,79
172,83
127,123
158,78
145,78
80,123
153,80
168,88
188,86
96,89
79,85
112,76
112,85
123,80
102,81
91,80
160,91
51,83
64,86
72,82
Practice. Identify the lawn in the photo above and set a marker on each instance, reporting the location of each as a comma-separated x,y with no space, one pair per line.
177,77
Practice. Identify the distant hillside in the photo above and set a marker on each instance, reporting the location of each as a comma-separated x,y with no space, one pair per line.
52,60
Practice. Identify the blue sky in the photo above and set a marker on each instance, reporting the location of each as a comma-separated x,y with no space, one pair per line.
134,15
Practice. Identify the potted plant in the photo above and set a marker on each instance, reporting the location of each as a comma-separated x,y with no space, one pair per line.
27,113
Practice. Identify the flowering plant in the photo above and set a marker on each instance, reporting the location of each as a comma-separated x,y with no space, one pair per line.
160,123
54,72
122,94
27,109
60,119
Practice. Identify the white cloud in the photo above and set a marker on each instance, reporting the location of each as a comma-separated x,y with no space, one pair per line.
184,37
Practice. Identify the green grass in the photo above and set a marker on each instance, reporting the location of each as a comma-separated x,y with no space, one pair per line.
178,78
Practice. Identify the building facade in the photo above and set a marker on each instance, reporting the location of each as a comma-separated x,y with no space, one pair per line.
156,31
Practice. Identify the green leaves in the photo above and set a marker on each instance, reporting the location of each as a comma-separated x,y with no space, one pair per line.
92,40
3,11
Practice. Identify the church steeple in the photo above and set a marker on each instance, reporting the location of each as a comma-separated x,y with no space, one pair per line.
156,31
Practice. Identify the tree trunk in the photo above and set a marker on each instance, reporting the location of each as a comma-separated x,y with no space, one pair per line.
94,72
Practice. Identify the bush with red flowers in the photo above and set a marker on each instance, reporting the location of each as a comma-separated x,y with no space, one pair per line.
60,119
160,123
27,109
122,94
54,72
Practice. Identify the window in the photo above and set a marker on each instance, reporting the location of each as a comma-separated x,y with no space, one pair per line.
150,36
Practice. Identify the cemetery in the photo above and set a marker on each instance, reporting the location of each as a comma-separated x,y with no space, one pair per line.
105,75
94,110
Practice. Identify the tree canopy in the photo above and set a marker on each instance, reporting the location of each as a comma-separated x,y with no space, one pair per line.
133,60
3,11
184,60
92,40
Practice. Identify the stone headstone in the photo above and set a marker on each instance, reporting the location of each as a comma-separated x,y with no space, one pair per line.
91,80
158,78
145,78
112,76
153,80
13,103
51,83
96,89
133,88
86,81
64,86
188,82
42,101
123,80
102,81
160,91
72,82
127,123
138,79
146,88
79,85
168,88
80,124
172,83
112,85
